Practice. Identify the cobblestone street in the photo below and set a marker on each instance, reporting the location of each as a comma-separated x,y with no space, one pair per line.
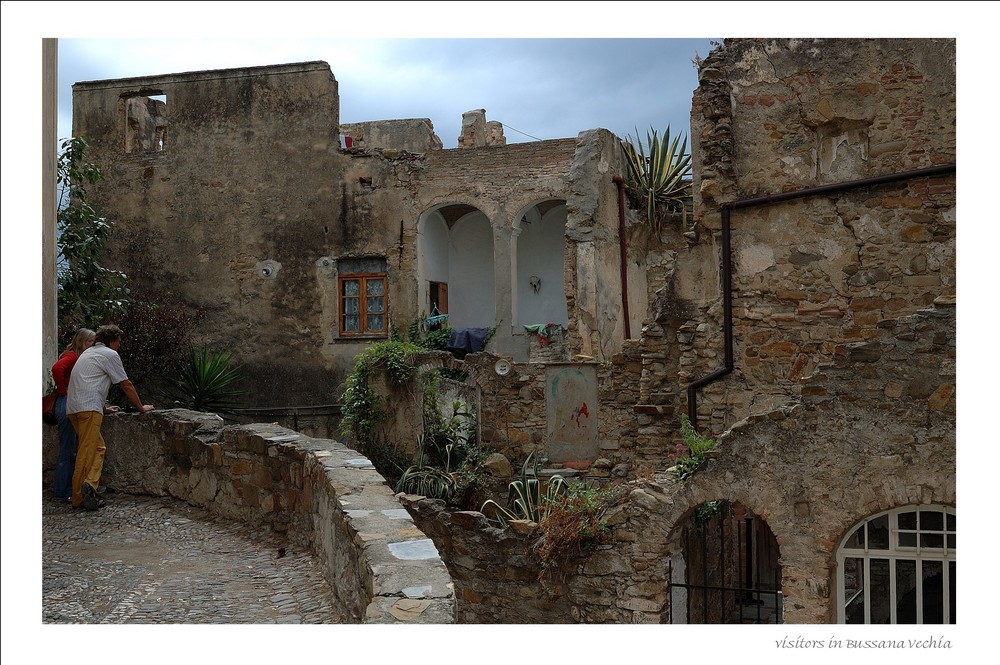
148,560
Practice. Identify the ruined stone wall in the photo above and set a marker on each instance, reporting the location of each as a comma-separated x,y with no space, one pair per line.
875,430
235,214
775,116
414,135
499,578
320,493
247,211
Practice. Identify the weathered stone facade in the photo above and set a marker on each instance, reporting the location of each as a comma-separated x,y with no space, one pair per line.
251,209
811,163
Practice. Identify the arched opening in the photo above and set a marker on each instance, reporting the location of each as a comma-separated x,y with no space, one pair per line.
898,566
727,568
539,295
455,266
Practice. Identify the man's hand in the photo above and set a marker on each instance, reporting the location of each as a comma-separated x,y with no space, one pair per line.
147,407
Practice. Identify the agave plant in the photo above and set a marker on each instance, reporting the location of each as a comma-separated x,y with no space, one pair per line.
206,381
525,499
427,480
661,175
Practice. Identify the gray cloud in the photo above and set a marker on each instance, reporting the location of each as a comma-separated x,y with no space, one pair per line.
542,88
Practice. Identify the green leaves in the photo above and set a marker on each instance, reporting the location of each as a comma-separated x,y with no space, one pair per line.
697,446
206,381
89,293
659,177
430,481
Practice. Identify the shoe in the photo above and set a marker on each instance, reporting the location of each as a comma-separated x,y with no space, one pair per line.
90,500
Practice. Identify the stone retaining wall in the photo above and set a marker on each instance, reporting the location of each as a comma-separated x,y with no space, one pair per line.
620,579
321,493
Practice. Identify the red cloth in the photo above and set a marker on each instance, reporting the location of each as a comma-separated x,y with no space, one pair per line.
61,370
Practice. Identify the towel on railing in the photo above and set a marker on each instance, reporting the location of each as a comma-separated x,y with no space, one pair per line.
470,340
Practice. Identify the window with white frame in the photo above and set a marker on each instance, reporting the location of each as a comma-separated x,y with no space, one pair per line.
899,567
363,297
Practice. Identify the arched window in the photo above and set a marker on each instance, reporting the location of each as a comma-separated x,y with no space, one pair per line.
899,567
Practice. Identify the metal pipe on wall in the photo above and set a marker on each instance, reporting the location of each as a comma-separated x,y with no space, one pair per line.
726,263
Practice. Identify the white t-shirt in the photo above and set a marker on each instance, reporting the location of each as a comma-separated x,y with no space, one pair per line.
95,371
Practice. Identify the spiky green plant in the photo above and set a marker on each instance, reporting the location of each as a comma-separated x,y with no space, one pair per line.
659,177
525,499
428,480
206,381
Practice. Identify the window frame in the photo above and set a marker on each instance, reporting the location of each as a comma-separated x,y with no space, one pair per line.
894,553
363,279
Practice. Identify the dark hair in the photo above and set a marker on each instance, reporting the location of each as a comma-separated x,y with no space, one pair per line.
108,334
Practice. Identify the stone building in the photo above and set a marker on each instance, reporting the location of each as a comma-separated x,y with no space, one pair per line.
237,189
806,317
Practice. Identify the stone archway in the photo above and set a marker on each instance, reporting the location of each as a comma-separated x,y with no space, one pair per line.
725,568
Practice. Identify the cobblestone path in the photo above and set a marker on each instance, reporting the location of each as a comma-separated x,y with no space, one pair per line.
148,560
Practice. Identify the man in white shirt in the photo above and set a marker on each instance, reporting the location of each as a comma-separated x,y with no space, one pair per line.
97,369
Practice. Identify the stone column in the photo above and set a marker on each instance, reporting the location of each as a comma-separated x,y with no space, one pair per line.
50,117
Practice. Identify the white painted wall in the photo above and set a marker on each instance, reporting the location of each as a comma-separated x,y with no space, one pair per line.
432,255
471,296
540,247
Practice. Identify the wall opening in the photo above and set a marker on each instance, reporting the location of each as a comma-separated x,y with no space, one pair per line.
898,567
727,570
145,123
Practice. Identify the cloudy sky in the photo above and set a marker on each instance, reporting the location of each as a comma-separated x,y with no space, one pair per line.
539,88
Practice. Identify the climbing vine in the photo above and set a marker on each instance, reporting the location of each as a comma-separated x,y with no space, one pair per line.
364,411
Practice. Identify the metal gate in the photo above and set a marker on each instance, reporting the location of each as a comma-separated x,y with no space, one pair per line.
730,571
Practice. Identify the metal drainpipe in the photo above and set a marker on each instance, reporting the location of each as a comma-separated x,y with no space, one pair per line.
727,268
622,249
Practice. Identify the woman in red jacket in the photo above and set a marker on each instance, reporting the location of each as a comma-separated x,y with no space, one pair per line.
83,339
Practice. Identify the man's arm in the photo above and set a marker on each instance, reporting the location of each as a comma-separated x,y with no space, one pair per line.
133,396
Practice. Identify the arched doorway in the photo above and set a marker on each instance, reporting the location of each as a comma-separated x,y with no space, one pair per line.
898,566
727,568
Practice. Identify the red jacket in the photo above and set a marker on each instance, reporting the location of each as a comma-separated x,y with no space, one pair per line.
61,370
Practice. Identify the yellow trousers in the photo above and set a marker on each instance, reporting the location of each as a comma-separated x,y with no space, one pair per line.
89,452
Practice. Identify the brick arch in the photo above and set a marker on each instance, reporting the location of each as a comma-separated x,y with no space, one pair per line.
522,203
490,208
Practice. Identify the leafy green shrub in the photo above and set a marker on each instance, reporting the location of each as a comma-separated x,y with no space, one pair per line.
363,410
89,293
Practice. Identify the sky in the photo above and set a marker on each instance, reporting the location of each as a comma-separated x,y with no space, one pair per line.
544,69
539,88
